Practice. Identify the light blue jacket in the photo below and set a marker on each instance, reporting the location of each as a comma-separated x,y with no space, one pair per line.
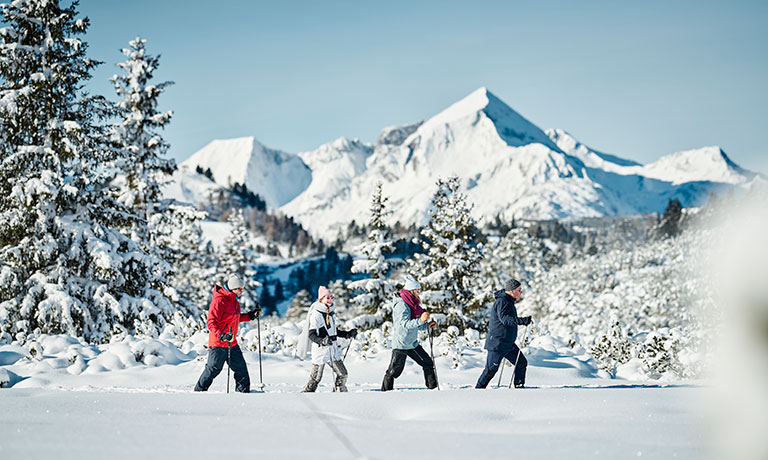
405,334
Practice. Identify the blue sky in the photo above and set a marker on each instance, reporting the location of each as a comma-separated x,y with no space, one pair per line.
639,80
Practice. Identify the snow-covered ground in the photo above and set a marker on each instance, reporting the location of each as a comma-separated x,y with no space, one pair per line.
111,404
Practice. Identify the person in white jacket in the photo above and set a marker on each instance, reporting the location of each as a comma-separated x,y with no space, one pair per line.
320,330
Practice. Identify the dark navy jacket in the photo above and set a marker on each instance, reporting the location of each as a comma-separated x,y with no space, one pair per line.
502,328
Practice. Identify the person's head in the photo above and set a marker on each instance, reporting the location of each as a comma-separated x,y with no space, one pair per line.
324,295
513,288
235,284
412,286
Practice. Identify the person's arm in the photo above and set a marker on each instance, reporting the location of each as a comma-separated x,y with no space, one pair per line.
214,319
507,314
317,332
352,333
402,314
318,336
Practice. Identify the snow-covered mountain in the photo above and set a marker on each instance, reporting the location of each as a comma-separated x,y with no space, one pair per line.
508,166
276,176
333,166
587,155
704,164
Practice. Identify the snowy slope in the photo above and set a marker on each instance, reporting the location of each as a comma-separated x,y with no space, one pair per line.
587,155
275,175
333,166
704,164
189,187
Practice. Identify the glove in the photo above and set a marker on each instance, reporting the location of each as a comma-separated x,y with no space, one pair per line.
254,313
326,341
226,337
352,334
528,320
424,317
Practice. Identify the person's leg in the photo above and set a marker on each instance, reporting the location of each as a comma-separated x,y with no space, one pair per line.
217,356
396,365
520,368
314,378
492,362
423,359
240,369
341,375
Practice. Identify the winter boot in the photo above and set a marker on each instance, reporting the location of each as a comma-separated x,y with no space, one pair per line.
314,379
388,383
430,378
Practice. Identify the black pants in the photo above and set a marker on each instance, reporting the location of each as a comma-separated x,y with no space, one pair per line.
397,364
217,356
492,365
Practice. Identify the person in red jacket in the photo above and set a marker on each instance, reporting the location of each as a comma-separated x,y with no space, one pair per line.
224,317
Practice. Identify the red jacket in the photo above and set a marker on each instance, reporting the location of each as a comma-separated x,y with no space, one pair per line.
224,313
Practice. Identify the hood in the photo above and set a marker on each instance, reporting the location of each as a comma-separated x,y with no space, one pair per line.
502,293
219,292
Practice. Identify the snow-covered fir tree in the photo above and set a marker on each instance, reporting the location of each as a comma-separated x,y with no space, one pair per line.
64,267
451,258
374,294
236,256
144,168
178,238
518,255
168,229
299,307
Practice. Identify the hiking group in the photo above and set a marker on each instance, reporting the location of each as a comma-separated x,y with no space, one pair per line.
320,334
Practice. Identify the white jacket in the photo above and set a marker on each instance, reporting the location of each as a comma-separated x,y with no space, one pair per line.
321,354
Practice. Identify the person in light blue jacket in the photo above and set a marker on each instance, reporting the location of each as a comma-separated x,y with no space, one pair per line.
407,319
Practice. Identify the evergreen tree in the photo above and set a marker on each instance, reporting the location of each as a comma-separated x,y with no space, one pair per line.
299,307
64,266
144,167
170,230
670,221
236,257
451,257
178,237
374,294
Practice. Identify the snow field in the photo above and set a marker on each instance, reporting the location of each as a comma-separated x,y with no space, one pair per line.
553,423
127,408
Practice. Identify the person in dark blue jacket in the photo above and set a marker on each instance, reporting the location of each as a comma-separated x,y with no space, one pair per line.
502,333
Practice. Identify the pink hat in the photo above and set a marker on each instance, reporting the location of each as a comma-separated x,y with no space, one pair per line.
323,291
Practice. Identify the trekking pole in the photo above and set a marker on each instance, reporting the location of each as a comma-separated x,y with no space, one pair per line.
261,379
501,371
229,357
432,354
347,350
519,350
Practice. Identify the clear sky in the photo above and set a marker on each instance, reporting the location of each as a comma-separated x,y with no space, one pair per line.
636,79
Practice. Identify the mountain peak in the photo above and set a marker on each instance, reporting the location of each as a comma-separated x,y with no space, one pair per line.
706,163
511,127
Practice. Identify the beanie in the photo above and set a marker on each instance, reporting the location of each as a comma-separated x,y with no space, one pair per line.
411,283
511,284
323,291
234,282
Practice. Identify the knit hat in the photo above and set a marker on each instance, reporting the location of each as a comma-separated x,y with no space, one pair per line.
234,282
411,283
511,284
323,291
